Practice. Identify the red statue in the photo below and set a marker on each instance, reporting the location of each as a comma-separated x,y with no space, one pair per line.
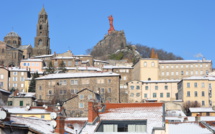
111,24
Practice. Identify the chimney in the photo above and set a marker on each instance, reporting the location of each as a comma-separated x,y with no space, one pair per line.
197,118
185,119
60,120
92,112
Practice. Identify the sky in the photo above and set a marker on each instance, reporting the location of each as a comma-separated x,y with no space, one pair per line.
183,27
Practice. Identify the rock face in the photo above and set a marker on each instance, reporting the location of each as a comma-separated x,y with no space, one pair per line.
112,42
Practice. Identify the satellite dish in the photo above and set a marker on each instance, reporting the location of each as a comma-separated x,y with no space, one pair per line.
53,115
3,115
53,123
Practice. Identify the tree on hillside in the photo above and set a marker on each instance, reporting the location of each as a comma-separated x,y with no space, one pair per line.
188,104
62,67
32,85
50,69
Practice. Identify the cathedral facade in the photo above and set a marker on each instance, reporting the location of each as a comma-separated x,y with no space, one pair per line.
11,50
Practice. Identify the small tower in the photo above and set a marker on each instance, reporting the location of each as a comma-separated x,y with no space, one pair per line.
42,40
153,54
12,39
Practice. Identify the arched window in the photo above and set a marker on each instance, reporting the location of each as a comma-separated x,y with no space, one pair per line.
41,27
145,64
14,42
153,64
2,50
8,42
40,42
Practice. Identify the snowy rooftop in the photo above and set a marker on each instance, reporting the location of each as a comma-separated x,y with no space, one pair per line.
187,128
76,75
77,119
63,58
2,90
201,109
116,67
100,61
199,78
17,69
153,115
31,60
37,124
43,56
84,68
161,81
184,61
23,110
175,113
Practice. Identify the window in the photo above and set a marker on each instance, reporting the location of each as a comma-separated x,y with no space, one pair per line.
188,85
132,95
74,82
203,85
167,73
191,72
2,76
42,116
182,72
14,85
10,103
166,87
203,93
167,95
14,78
81,105
187,66
154,95
196,72
138,94
203,103
124,78
22,79
20,103
102,90
156,87
176,66
100,81
40,88
90,96
145,95
206,72
196,94
201,72
76,62
110,128
146,87
162,73
182,66
74,91
188,93
176,73
109,90
81,96
69,63
1,84
22,85
187,72
50,92
209,85
62,82
14,73
137,87
109,80
145,64
61,92
172,73
153,64
167,66
161,95
195,85
131,87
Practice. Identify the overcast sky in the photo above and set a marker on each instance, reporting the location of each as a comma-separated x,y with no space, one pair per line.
183,27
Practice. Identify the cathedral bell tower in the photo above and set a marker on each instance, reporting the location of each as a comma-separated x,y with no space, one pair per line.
42,40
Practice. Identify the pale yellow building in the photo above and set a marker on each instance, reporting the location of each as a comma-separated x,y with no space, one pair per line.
154,69
197,89
160,90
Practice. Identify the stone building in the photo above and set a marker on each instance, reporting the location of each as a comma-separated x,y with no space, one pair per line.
62,86
4,78
77,105
154,69
126,76
158,91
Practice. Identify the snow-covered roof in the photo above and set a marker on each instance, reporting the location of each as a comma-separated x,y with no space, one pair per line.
116,67
22,110
199,78
76,75
153,115
201,109
202,118
37,124
76,119
186,128
2,90
17,69
183,61
175,113
84,68
161,81
31,60
101,61
84,62
81,55
43,56
63,57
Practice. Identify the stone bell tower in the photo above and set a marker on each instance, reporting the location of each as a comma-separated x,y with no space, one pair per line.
42,40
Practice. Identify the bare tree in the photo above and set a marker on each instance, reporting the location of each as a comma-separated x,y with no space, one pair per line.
189,104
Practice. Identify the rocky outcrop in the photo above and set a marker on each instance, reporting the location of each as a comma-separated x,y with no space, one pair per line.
110,44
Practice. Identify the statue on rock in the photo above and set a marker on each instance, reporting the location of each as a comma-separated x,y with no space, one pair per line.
110,18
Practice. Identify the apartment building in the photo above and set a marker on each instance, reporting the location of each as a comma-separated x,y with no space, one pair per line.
126,76
197,89
4,78
154,69
160,90
34,65
64,85
17,78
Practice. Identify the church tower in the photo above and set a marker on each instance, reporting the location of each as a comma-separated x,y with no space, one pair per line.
42,40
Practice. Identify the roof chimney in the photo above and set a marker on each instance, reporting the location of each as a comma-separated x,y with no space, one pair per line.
60,120
197,118
92,112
